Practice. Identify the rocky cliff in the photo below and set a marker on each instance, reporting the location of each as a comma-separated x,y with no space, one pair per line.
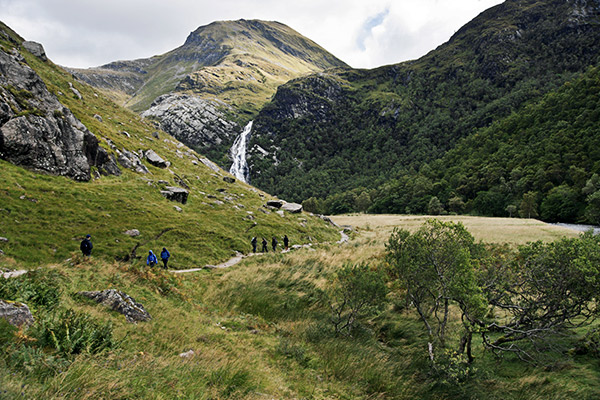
36,130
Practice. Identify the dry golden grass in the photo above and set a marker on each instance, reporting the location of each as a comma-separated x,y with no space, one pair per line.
512,231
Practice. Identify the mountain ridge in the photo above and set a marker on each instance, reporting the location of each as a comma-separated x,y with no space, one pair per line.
229,68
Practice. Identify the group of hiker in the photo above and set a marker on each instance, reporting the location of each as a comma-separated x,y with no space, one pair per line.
274,243
87,246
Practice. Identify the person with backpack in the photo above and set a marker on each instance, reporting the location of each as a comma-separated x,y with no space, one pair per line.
274,243
151,260
86,246
164,256
264,246
253,241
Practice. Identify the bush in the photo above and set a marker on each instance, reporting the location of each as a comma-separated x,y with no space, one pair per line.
357,292
72,332
39,288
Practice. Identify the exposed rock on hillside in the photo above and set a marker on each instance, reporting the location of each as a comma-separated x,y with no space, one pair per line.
120,302
15,313
192,120
37,131
175,194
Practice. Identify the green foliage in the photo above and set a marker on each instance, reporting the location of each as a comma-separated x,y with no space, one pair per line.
434,267
70,332
548,289
358,291
38,288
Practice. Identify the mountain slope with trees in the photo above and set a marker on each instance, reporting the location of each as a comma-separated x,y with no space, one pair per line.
354,130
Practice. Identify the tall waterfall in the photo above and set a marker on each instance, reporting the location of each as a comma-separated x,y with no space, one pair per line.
239,169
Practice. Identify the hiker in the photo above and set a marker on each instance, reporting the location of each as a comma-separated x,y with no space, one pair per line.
151,260
253,241
86,246
274,243
164,255
264,246
286,242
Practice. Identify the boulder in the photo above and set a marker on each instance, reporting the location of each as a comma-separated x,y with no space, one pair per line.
275,203
155,159
132,232
15,313
3,239
292,207
229,179
187,354
175,194
120,302
130,160
36,49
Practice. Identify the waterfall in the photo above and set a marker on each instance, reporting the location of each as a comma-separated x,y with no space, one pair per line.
239,168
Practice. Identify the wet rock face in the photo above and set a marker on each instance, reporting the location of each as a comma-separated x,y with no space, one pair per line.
120,302
38,132
15,313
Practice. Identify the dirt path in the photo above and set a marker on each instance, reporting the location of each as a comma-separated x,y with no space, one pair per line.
239,257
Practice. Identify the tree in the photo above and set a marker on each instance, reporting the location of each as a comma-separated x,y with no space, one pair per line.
357,292
456,204
435,207
363,202
547,289
511,209
434,266
528,207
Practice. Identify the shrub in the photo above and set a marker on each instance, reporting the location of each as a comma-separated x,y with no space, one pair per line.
72,332
357,292
39,288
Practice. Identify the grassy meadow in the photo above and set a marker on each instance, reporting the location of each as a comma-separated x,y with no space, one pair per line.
261,330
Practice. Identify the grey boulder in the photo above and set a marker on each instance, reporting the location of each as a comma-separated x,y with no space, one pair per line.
175,194
120,302
15,313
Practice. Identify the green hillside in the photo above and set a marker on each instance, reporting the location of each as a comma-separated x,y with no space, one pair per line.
44,217
347,133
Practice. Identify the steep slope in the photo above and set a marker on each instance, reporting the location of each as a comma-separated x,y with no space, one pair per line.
334,132
44,216
203,91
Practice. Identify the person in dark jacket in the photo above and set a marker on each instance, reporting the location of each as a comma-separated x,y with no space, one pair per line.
253,241
151,260
86,246
286,242
164,256
274,243
264,246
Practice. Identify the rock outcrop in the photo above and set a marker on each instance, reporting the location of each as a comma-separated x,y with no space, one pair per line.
293,208
192,120
38,132
120,302
36,49
175,194
15,313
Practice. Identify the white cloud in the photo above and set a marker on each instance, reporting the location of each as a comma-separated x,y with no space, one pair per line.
363,33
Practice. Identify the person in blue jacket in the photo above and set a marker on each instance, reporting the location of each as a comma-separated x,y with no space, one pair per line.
151,260
164,256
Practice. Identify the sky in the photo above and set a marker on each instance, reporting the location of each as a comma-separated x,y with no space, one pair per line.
362,33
